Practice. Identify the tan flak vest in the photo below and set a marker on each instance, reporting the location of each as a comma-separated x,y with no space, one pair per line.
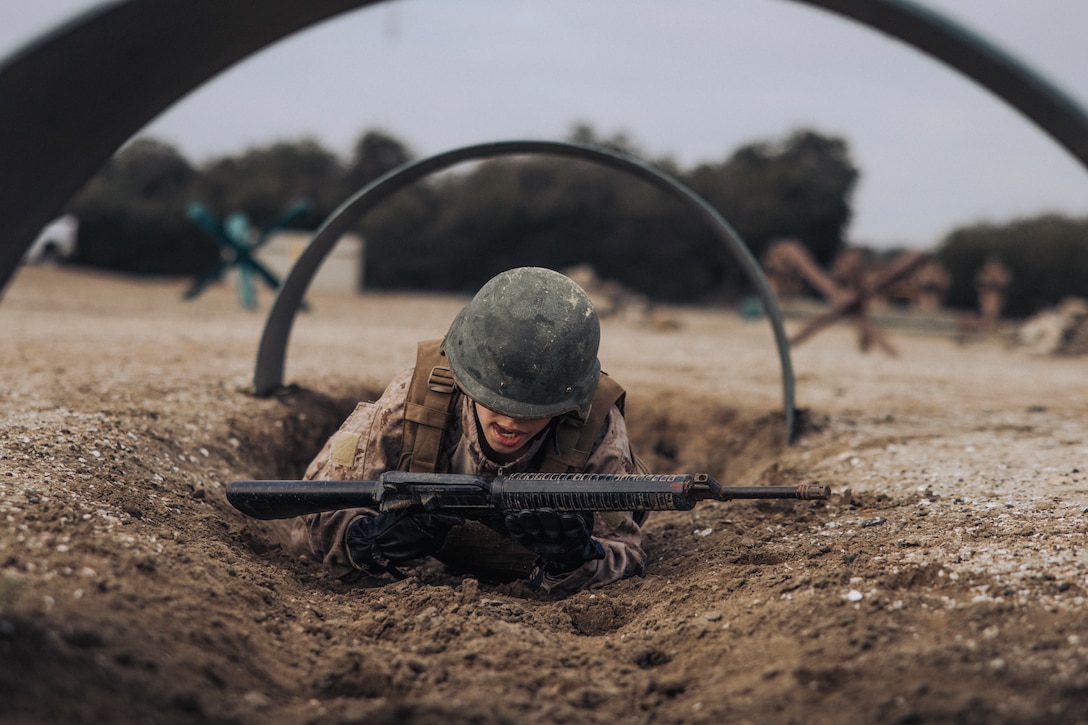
431,408
427,415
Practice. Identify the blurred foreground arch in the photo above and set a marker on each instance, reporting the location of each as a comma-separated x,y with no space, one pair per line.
272,351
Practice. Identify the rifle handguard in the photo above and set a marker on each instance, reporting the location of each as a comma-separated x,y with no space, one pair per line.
595,492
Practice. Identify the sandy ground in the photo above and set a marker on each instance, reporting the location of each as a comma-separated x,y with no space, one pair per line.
945,581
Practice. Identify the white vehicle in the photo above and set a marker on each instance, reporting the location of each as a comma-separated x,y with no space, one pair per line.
55,243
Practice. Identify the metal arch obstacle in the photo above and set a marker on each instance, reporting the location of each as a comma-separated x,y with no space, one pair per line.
271,353
124,79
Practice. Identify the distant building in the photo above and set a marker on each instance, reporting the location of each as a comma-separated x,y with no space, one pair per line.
340,272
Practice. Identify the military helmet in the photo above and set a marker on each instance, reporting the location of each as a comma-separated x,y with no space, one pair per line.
526,345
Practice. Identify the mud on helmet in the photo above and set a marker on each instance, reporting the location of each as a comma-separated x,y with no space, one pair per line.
526,345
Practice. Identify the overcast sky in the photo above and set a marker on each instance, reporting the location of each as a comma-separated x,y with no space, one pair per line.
692,79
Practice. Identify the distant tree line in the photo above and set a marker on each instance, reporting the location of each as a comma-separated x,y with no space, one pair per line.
453,231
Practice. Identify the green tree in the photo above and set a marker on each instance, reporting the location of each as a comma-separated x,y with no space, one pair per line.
799,187
620,142
265,180
558,212
132,214
146,172
375,153
551,212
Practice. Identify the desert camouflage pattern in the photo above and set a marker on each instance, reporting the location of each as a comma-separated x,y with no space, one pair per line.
368,443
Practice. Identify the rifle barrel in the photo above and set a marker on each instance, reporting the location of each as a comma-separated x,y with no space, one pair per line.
803,492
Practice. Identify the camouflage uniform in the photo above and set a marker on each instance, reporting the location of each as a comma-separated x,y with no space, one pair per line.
369,443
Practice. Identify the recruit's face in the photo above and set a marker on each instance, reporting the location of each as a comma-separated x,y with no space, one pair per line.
508,435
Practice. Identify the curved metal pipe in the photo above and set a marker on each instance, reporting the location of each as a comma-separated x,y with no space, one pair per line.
268,373
1040,101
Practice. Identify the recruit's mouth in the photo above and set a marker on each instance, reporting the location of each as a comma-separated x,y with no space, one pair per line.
508,437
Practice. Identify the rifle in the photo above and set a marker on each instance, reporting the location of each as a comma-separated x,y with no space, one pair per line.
475,496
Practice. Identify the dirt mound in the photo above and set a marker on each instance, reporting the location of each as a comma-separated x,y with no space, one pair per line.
943,582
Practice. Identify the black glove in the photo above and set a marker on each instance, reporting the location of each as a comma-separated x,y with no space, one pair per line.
563,540
394,537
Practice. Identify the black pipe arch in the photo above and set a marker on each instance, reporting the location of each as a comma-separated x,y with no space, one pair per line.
272,350
71,98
